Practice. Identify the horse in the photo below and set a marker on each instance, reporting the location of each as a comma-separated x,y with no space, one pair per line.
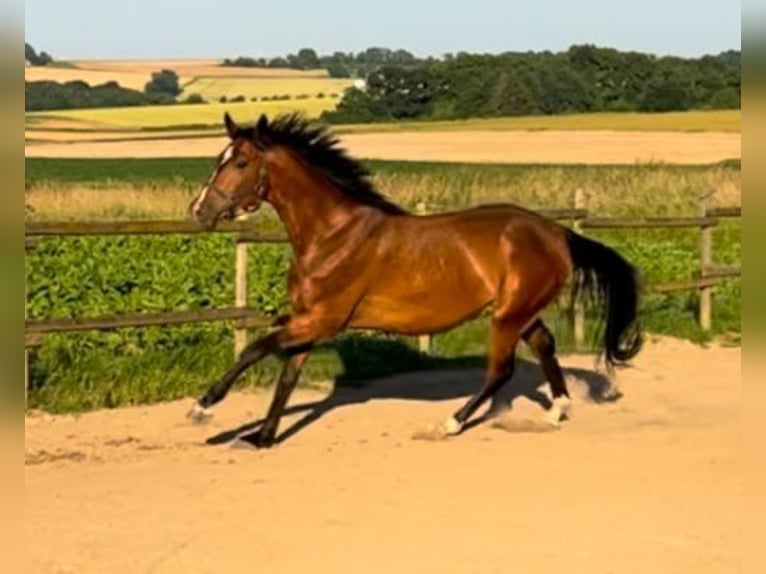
362,262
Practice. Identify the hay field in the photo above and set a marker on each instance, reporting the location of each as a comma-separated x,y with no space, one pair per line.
211,88
192,68
136,73
533,147
690,121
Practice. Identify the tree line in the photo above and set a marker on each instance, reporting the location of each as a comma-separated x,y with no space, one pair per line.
584,78
162,88
337,64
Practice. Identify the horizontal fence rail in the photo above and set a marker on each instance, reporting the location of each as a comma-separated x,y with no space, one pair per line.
244,317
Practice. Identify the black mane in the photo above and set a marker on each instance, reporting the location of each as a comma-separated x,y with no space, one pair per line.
318,146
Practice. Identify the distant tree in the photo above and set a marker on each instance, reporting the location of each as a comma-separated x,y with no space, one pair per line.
163,82
307,59
403,92
278,63
338,70
30,54
35,59
194,99
511,96
356,106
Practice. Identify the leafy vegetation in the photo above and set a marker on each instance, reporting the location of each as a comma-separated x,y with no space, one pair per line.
584,78
79,277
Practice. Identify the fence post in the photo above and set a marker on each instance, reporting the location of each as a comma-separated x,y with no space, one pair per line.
240,293
706,260
424,341
578,308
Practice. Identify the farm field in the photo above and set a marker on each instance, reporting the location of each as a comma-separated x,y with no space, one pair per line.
136,73
542,147
729,121
194,115
153,274
650,482
211,88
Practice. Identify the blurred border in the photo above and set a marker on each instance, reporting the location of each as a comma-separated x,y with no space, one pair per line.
753,301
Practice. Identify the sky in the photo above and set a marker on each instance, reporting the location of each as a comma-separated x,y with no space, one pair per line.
85,29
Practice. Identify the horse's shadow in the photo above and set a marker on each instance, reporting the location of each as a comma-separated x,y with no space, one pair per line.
420,377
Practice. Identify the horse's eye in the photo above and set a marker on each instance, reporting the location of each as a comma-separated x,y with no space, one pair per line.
241,163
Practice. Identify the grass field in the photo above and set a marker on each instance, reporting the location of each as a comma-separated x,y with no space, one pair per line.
182,115
107,275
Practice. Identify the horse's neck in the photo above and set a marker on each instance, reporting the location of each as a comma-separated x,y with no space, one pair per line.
314,216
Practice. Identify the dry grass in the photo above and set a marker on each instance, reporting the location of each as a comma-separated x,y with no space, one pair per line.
693,121
79,202
68,133
610,191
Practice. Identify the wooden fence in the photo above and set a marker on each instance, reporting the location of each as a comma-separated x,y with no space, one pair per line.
244,317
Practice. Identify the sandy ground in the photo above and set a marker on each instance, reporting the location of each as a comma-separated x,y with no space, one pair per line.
646,480
594,147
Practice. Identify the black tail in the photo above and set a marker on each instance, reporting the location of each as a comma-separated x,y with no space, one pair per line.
605,278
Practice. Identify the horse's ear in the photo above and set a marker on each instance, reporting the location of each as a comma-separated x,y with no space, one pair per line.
231,126
260,127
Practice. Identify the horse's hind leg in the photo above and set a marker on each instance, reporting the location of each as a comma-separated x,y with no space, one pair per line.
528,285
543,346
504,337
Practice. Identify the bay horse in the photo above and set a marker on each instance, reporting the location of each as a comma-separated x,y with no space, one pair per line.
362,262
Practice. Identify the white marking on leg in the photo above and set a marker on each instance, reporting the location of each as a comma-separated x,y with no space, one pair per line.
558,411
564,403
199,413
452,426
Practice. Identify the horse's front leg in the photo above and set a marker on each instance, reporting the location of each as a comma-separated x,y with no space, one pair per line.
292,343
265,436
253,353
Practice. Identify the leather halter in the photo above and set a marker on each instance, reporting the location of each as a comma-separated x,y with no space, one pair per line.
230,201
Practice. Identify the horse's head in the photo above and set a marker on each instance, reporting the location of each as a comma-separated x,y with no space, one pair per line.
239,182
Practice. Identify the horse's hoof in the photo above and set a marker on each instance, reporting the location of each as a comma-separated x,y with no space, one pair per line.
559,411
259,439
448,428
198,414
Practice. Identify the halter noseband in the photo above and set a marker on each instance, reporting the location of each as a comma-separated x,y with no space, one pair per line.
230,201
